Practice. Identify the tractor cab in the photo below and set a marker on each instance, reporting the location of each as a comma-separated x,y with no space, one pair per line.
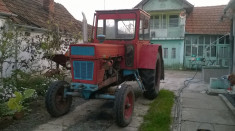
121,26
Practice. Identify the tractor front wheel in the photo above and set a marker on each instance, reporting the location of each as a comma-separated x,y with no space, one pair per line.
124,105
56,104
151,80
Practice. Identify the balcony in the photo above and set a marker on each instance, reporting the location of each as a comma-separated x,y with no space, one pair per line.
168,33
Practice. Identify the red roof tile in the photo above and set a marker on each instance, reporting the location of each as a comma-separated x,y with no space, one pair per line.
31,12
3,7
207,20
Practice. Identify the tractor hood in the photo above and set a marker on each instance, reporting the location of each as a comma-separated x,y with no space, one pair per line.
96,51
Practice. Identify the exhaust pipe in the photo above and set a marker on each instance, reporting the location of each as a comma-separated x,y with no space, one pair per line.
84,30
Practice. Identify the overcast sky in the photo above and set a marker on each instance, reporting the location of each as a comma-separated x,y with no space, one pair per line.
75,7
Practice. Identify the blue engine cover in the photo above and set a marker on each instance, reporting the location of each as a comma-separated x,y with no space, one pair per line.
83,50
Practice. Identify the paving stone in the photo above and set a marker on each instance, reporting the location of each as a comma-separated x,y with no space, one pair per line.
204,102
208,116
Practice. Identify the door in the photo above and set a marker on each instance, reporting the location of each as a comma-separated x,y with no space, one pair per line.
171,56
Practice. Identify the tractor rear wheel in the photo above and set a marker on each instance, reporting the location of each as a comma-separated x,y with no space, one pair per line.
124,105
56,104
151,80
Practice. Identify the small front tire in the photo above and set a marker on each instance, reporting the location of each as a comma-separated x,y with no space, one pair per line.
56,104
124,105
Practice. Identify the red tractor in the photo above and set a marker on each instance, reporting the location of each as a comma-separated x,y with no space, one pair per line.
120,51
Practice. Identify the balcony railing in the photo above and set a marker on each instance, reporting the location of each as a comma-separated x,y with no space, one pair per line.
168,33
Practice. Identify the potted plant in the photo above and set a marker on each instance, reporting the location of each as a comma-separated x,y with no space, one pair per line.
16,104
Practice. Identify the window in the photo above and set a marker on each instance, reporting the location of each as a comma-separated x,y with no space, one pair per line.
207,40
165,53
116,29
173,21
227,39
144,29
200,51
110,29
100,30
151,22
201,40
213,51
164,21
194,51
188,40
126,27
221,40
213,40
188,50
157,22
173,53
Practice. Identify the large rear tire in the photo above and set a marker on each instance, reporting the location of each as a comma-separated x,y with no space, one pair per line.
151,80
124,105
56,104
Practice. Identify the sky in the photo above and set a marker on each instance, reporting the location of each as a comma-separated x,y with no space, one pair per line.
76,7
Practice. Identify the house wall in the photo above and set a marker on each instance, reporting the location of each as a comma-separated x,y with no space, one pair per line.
168,29
173,52
26,60
207,50
163,5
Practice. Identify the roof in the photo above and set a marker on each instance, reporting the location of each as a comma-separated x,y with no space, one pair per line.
187,5
3,7
207,20
32,13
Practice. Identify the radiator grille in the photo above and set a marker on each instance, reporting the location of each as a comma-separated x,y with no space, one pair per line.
83,70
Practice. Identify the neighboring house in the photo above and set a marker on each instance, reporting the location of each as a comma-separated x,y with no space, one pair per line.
167,27
207,36
36,17
187,33
231,15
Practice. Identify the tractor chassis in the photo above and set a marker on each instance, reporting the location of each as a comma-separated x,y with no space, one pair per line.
85,90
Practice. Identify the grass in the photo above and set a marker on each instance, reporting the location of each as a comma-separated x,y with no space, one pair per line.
159,117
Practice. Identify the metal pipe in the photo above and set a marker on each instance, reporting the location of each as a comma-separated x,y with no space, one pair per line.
84,31
105,96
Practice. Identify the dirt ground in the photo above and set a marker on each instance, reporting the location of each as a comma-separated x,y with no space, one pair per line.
87,115
37,116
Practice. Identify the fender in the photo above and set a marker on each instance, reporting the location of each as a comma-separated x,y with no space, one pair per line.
148,56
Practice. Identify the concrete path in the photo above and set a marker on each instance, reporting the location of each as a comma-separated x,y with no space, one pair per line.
201,111
197,110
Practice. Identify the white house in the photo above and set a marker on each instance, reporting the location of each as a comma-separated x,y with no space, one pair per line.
33,19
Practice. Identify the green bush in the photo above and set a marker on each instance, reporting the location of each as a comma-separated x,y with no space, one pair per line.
16,104
4,110
19,81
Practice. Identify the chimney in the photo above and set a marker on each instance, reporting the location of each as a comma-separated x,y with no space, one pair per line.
48,5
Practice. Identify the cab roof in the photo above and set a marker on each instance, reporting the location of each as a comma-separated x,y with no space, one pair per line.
123,11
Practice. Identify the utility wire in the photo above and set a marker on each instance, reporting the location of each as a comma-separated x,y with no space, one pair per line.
177,110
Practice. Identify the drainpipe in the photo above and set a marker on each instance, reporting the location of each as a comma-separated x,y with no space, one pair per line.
84,31
231,39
